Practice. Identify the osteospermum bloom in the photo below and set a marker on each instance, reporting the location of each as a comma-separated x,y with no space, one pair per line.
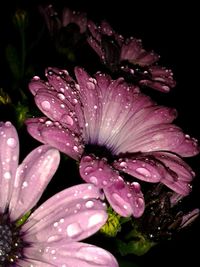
129,58
55,20
111,128
50,235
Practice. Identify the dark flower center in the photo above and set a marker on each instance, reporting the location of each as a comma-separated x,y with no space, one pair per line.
99,151
11,244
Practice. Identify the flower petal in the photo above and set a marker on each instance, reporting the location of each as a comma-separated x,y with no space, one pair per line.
125,199
9,154
71,254
92,105
32,177
54,134
178,175
54,107
97,171
73,214
143,168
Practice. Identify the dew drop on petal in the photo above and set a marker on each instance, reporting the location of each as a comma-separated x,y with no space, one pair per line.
88,170
53,238
123,164
7,175
89,204
95,219
68,120
11,142
74,229
93,180
36,78
139,202
90,85
75,148
46,105
7,123
144,172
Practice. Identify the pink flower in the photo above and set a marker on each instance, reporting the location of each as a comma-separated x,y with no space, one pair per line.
51,234
127,57
112,128
55,21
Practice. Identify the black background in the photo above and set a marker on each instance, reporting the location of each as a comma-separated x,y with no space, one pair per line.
172,30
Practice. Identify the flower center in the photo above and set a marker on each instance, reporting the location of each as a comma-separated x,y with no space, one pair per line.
99,151
11,244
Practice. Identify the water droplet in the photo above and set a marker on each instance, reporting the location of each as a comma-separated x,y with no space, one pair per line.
89,204
68,120
53,238
105,182
55,224
123,164
75,148
88,170
11,142
95,219
90,85
8,124
139,203
61,96
46,105
7,175
93,180
144,172
74,229
25,184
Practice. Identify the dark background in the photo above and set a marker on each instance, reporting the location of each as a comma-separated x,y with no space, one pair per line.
172,31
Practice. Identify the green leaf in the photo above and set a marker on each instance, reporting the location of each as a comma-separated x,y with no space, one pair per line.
13,61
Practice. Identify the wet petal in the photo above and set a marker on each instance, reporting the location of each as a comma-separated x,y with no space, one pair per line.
32,177
178,175
55,109
92,106
72,254
73,214
97,171
161,137
9,154
54,134
145,169
125,199
133,52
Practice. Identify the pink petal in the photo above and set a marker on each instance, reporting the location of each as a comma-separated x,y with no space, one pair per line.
73,214
9,154
126,200
32,177
143,168
53,134
161,137
92,104
178,175
54,107
97,171
133,52
37,84
73,254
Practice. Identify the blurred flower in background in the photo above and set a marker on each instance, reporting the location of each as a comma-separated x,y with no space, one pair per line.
127,57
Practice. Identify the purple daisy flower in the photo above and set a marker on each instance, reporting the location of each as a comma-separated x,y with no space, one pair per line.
55,21
128,57
49,237
112,128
